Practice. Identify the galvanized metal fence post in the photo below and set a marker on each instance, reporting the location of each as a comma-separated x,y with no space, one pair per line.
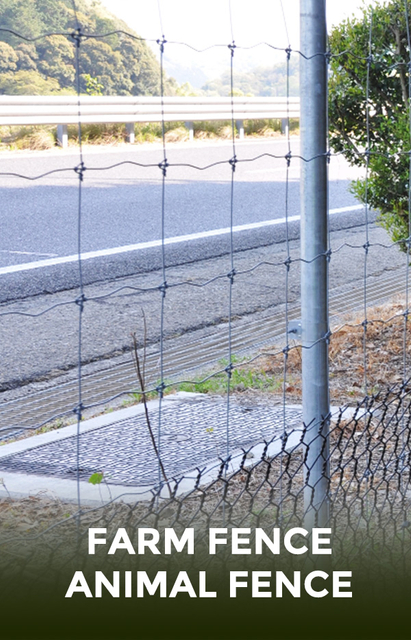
314,266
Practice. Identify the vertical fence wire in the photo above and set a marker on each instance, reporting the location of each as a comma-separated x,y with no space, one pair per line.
369,61
366,246
329,156
285,23
408,240
232,272
287,265
230,15
77,37
405,454
160,17
163,287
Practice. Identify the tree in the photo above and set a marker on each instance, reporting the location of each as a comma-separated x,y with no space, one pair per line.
56,59
27,57
93,86
122,65
8,58
30,83
388,135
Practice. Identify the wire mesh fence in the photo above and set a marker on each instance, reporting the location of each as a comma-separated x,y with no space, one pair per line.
231,463
259,486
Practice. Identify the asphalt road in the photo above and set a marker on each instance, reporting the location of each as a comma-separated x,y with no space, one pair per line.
120,231
39,336
121,209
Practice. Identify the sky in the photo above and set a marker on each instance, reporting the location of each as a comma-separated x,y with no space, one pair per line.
202,23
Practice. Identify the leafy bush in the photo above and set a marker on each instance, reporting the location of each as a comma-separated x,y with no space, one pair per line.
388,135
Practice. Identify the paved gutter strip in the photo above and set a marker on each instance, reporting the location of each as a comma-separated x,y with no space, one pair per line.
42,478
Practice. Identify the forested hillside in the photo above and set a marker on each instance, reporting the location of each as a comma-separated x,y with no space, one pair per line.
260,81
115,65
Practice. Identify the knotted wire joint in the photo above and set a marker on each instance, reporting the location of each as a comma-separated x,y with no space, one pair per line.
232,47
365,324
370,59
78,410
288,158
229,369
80,301
163,166
77,36
160,389
283,439
161,43
163,288
231,275
328,336
286,350
288,52
328,255
327,56
366,246
80,169
232,162
328,156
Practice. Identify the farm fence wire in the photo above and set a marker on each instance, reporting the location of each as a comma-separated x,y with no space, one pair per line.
263,485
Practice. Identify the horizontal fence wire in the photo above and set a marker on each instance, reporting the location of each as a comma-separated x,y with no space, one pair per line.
259,484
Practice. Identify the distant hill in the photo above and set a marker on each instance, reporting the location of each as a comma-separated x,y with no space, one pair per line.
186,72
114,65
260,81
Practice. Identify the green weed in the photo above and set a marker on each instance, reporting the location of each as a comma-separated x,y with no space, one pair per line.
96,478
241,378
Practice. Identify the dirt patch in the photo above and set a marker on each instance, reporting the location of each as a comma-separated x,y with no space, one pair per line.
363,357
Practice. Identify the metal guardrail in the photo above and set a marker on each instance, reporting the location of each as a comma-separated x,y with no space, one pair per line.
64,110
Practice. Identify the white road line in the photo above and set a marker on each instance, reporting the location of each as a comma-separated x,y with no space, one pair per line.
89,255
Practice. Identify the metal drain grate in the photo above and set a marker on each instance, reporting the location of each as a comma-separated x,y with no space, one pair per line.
192,434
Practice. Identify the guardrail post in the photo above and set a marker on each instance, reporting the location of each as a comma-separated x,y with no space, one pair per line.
314,264
62,135
240,128
190,127
284,126
130,134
